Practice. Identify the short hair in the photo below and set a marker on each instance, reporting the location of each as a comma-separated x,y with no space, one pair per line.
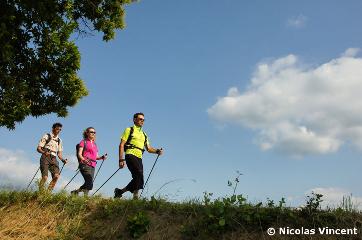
57,125
136,115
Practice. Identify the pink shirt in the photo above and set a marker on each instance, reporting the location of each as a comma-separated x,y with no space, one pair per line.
90,151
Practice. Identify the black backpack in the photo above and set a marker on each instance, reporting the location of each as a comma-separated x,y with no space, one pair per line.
128,144
77,148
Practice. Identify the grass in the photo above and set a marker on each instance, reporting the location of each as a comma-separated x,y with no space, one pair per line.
41,215
34,215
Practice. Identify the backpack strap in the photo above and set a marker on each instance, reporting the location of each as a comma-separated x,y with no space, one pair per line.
128,144
85,145
48,141
50,138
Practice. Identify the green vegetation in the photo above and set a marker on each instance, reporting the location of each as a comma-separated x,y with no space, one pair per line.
39,60
28,214
138,225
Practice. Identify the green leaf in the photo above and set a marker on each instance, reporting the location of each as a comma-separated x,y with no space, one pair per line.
222,222
221,209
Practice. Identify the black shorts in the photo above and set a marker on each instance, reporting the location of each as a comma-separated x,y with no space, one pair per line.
135,166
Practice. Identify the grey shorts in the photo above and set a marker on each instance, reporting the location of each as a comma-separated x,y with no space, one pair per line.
87,172
48,163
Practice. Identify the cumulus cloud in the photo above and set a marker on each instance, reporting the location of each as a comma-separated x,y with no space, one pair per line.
297,22
297,110
336,197
15,167
16,170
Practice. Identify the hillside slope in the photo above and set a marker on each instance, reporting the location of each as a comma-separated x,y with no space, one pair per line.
33,215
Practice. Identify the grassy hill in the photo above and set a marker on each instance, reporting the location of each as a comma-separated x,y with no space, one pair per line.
34,215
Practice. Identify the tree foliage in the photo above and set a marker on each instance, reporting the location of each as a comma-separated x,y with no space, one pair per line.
39,62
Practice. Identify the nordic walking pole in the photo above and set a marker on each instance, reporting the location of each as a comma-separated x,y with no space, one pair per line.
150,173
65,164
61,169
33,178
99,169
71,179
106,181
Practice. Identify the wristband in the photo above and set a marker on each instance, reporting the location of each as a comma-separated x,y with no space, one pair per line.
158,151
121,160
103,157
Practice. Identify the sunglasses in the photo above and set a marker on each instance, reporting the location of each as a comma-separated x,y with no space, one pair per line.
93,132
141,119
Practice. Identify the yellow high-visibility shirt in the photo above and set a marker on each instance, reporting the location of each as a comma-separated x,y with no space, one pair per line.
138,140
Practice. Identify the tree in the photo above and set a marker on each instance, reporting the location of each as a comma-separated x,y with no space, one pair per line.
39,62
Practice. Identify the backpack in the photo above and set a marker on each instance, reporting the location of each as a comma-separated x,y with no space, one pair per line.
128,144
77,148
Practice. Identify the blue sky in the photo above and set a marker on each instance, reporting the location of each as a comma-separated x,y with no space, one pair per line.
266,88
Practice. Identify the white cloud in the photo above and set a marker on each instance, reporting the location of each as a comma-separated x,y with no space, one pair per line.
350,52
336,197
299,111
16,170
16,167
298,22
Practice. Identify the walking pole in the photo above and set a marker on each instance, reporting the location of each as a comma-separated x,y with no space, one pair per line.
150,174
106,181
61,169
99,169
64,164
33,178
71,179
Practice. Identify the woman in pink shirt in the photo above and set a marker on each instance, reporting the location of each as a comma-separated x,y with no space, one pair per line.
87,156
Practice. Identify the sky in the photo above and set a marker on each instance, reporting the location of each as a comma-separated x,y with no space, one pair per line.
270,89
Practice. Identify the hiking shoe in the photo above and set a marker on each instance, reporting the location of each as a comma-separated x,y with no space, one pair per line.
75,192
117,193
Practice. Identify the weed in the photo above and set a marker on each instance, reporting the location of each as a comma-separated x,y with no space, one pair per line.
138,225
230,184
312,206
220,214
189,231
348,205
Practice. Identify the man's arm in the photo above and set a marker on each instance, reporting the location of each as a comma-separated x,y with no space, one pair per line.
121,148
39,149
152,150
42,144
61,158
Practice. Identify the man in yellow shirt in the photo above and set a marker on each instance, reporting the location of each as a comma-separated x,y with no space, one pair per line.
133,140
